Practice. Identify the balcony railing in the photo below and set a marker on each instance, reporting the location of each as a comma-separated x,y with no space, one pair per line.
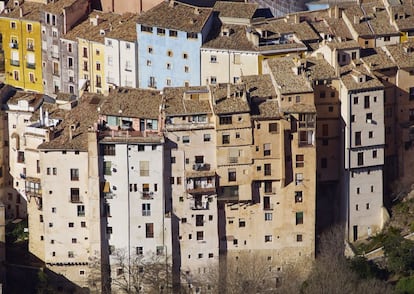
147,195
199,205
31,65
30,48
15,62
201,167
14,45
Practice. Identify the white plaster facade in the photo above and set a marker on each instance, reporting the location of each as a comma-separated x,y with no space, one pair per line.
121,61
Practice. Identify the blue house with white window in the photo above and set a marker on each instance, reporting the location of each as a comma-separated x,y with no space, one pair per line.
169,39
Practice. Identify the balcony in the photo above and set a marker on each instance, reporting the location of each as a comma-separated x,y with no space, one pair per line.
31,65
203,182
14,45
147,195
201,167
199,203
30,48
267,206
15,62
32,187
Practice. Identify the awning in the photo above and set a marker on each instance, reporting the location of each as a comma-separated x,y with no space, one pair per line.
106,188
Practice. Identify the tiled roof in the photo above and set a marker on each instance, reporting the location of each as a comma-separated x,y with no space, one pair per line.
235,9
302,30
237,40
350,79
176,16
407,11
343,45
319,69
259,86
372,19
83,116
105,21
32,98
126,30
176,104
403,54
57,6
288,82
228,98
129,102
265,109
299,108
378,60
31,11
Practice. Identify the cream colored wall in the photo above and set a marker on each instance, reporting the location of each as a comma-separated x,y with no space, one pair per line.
225,69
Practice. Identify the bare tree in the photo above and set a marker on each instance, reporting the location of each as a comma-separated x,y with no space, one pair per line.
141,274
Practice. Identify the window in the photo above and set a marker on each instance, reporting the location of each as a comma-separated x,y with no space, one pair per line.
268,216
266,203
168,66
107,168
267,169
199,220
225,139
213,58
200,235
374,154
330,108
370,134
149,230
411,91
71,225
20,157
160,32
232,174
367,206
98,66
266,149
108,149
69,47
360,158
144,168
191,35
366,101
268,238
74,241
368,117
353,118
186,139
173,33
74,195
150,50
268,187
299,218
225,120
146,209
213,80
186,69
322,94
54,170
300,160
146,29
355,100
13,25
242,222
139,250
74,174
272,127
85,52
185,55
298,178
324,162
298,196
299,238
71,254
207,137
357,138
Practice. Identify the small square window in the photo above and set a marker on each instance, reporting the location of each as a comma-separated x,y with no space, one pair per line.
268,238
299,238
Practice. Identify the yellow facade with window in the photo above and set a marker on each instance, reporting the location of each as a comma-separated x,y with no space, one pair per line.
22,47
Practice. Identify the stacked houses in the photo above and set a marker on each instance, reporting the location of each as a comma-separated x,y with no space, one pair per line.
196,135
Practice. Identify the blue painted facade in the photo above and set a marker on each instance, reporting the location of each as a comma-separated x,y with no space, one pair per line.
162,58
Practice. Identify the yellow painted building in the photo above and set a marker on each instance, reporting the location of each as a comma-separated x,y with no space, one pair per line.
90,36
21,33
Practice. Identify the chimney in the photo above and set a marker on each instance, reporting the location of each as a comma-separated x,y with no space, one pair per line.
41,116
356,19
228,90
